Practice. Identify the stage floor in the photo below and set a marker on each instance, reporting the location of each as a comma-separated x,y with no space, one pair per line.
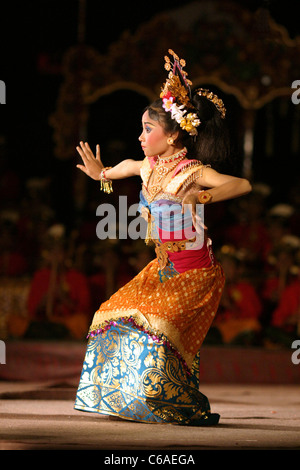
256,392
40,416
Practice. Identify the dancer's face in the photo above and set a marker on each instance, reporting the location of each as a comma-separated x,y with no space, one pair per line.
154,139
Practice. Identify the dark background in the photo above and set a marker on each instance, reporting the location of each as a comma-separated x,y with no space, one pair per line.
34,38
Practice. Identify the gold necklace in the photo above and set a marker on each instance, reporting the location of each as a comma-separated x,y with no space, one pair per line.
162,171
173,157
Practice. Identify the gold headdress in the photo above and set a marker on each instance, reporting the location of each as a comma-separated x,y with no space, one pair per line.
176,96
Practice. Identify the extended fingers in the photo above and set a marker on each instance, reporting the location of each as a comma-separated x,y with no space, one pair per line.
85,151
98,153
86,147
81,153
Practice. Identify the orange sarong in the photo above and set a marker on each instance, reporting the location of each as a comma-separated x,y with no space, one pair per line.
181,308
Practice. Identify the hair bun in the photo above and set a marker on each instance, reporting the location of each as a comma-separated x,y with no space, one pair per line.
204,108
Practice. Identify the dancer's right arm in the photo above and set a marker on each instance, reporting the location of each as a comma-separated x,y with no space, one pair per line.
124,169
92,165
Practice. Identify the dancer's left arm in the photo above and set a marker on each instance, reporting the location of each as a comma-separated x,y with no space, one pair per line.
222,187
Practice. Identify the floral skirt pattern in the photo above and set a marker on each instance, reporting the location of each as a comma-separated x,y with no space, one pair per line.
130,374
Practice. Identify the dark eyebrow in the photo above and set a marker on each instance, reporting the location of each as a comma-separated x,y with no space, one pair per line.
149,123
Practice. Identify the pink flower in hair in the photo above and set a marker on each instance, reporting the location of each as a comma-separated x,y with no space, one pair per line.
168,101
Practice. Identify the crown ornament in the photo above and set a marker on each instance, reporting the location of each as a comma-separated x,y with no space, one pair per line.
176,95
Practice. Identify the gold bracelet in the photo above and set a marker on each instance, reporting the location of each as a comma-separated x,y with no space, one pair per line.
105,183
204,197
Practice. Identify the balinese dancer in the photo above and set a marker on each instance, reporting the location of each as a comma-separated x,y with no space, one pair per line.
142,359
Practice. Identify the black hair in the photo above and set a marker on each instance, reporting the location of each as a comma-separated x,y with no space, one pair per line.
212,144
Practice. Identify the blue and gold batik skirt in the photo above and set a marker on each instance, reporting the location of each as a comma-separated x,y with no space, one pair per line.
129,374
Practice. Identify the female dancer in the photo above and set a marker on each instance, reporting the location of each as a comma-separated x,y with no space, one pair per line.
142,359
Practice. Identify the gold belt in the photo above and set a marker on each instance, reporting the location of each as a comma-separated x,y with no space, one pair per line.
161,249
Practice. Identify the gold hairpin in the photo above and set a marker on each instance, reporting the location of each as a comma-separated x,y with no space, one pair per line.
214,99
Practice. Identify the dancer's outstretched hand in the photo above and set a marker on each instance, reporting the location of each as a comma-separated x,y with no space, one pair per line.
92,165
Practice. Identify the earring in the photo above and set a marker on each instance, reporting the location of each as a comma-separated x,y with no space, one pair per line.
170,141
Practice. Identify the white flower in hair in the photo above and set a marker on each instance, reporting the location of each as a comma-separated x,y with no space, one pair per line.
177,112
